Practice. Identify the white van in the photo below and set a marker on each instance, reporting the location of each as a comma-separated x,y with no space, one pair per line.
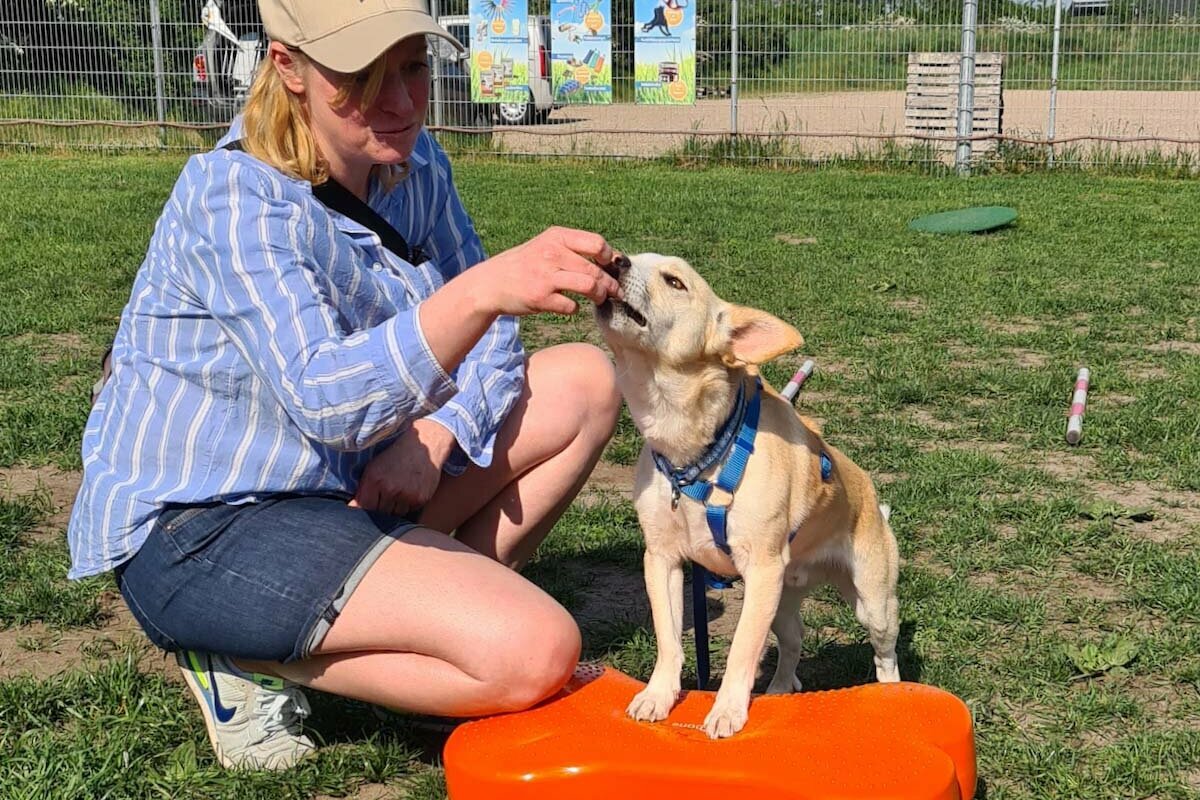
541,100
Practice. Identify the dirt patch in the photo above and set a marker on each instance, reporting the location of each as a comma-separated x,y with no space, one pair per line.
370,791
42,652
913,305
788,238
925,418
1028,359
1175,346
61,487
1066,466
964,357
1016,325
1148,373
50,347
1176,514
608,594
608,481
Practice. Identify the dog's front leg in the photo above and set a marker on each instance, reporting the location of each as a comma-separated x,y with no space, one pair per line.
764,583
664,586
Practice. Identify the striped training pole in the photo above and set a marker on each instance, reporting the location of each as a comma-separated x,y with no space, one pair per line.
1078,402
793,386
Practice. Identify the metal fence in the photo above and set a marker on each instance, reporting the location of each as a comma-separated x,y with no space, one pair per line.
1093,81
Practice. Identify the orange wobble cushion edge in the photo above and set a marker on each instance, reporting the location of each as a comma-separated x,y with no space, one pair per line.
905,741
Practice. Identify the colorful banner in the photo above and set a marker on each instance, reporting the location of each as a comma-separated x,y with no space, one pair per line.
499,51
664,52
581,33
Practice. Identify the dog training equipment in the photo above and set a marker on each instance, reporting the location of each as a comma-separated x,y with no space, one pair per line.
1078,402
966,220
905,741
793,386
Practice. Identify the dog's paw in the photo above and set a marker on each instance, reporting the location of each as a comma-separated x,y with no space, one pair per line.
726,719
651,704
886,671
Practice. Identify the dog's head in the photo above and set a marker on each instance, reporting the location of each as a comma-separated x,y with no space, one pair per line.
670,313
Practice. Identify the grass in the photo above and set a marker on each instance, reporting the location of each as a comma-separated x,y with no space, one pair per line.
1055,589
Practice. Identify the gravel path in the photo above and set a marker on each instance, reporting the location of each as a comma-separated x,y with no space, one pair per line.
854,117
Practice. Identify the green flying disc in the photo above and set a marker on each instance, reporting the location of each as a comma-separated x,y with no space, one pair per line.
966,220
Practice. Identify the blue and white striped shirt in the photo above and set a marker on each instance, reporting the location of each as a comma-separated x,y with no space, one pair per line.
272,345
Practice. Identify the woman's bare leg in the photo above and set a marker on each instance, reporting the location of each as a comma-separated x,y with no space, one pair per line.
543,456
435,627
440,625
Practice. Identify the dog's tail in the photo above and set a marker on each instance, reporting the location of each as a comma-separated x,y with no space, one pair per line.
886,510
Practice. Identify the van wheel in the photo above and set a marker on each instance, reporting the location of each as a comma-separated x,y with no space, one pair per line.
516,113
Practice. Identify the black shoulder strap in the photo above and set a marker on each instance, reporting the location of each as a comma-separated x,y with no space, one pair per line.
344,201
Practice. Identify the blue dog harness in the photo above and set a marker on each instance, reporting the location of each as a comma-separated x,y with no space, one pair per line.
732,448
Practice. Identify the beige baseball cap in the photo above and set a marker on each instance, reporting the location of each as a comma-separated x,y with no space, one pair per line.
347,35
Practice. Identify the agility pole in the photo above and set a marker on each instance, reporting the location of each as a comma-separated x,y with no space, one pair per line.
1078,402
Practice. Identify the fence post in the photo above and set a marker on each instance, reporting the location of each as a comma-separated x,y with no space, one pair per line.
966,89
733,68
437,70
1054,80
160,99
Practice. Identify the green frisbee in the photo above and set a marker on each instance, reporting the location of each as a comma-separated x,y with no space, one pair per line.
965,220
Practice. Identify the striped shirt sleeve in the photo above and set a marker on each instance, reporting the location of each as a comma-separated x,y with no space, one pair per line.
491,376
255,254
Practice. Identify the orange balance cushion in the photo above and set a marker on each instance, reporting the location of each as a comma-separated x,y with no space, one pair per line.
903,740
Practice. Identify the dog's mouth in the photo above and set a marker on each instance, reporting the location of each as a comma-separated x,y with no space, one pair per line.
610,305
617,268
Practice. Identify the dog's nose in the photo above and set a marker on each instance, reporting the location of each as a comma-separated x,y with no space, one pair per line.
618,266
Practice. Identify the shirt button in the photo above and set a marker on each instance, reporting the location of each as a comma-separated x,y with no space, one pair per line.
377,266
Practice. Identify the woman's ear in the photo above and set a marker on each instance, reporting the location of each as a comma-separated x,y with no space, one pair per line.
287,65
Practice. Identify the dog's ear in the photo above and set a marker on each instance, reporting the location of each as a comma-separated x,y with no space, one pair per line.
756,337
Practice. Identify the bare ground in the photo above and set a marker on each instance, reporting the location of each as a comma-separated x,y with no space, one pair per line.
841,123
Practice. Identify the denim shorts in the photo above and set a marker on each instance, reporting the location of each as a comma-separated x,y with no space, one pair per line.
258,581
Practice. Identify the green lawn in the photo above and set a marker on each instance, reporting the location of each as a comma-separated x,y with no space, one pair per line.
1055,589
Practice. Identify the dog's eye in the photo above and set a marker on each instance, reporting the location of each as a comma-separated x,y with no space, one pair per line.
674,283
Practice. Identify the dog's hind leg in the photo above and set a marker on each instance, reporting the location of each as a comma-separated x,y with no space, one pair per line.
788,627
876,606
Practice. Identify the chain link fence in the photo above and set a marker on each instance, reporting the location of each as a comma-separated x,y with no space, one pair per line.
1078,81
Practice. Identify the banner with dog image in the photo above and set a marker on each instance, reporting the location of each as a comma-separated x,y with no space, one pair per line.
499,51
581,36
664,52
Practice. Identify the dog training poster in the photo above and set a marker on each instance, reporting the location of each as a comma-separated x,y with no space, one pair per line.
664,52
499,51
581,33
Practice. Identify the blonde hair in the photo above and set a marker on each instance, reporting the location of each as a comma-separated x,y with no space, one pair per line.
276,127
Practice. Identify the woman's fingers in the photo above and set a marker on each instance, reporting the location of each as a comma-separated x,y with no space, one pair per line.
591,283
590,245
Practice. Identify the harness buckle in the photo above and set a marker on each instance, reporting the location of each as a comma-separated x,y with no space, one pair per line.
719,497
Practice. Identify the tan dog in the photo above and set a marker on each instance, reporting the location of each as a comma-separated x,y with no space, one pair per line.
682,353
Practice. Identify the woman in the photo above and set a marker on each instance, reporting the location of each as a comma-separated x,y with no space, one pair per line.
288,396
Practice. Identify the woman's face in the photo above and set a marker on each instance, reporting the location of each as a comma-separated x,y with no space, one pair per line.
386,131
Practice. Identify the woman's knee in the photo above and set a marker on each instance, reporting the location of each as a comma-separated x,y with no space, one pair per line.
529,667
582,378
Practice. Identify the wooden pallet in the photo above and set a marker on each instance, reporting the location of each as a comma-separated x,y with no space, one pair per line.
931,98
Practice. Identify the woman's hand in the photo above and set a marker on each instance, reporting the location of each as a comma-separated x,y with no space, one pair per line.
532,277
402,478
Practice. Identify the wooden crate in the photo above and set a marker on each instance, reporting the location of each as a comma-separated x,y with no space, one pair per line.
931,97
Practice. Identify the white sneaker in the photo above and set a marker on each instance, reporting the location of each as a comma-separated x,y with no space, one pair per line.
253,720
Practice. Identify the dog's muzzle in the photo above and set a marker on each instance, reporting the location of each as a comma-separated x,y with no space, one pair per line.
617,267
